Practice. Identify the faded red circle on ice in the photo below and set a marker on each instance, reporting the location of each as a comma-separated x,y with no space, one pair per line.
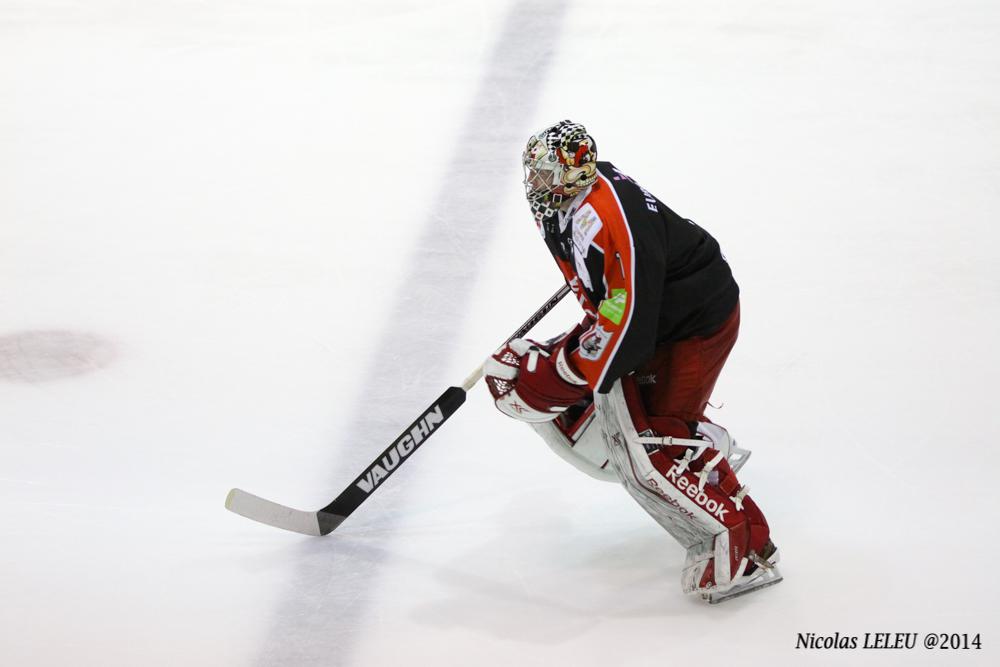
44,355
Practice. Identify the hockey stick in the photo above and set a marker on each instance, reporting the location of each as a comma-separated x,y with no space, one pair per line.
326,520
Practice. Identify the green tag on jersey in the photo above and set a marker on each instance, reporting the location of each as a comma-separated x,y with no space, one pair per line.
614,308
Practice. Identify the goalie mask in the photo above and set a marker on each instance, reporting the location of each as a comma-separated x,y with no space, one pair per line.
559,163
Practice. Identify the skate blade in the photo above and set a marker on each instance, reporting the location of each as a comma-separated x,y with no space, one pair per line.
769,578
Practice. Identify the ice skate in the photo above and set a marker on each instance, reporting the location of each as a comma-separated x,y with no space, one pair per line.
760,571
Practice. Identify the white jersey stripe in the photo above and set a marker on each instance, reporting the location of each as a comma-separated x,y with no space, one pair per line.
631,293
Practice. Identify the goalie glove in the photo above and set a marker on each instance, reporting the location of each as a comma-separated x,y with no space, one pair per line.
533,384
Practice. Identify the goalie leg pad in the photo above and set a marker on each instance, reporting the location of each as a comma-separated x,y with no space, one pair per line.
576,438
689,488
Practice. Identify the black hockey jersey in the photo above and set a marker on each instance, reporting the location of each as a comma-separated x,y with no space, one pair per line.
643,274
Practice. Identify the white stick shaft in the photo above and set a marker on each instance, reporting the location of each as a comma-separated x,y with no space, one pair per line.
473,378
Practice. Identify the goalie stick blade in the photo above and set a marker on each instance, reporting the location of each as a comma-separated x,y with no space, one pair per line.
271,513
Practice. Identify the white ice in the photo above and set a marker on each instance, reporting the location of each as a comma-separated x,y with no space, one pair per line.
244,243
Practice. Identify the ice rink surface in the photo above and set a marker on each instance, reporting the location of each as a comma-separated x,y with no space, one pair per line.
245,243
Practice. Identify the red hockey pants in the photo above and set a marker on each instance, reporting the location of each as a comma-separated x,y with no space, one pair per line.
677,382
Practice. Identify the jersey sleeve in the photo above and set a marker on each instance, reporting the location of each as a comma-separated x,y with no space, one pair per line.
623,335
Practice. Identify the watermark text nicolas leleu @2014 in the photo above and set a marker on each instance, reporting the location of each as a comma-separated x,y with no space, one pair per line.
890,641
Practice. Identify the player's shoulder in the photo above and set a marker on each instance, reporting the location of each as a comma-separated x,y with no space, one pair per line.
635,203
625,188
613,176
600,199
608,170
595,217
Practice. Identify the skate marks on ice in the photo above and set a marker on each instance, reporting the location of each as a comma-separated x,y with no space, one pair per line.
45,355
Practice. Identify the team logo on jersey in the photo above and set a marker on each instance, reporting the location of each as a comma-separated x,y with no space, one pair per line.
593,342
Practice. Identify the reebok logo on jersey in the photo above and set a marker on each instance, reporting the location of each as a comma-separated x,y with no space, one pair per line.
691,490
401,449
